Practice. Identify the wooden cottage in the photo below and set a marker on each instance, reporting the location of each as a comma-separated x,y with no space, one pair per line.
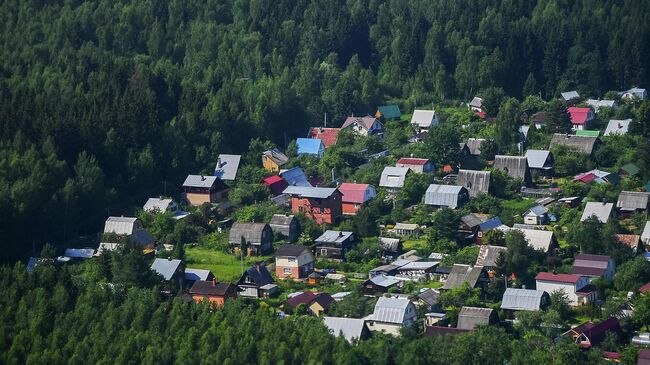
474,181
274,159
285,225
199,189
258,237
515,166
215,293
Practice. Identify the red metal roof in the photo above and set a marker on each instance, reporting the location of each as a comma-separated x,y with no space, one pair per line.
353,193
645,288
481,115
558,278
587,271
586,177
327,135
579,115
412,161
276,184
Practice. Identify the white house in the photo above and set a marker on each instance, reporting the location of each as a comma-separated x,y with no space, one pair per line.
576,287
391,314
634,92
160,205
424,119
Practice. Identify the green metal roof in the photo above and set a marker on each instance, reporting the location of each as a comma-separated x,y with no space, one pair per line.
588,133
390,111
631,169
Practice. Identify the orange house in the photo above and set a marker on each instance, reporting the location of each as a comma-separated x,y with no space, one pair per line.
215,293
323,205
354,195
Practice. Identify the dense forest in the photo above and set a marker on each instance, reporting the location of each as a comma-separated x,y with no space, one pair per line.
105,103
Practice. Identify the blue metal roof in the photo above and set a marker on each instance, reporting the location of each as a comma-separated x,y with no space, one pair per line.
490,224
309,146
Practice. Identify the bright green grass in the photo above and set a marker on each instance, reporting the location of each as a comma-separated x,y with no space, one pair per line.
519,206
414,244
225,267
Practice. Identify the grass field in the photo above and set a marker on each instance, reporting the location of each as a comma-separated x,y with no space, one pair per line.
518,206
225,267
414,244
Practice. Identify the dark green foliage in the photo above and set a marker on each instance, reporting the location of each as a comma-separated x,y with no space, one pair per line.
632,274
557,119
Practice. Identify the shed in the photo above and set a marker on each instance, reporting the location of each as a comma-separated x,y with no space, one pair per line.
470,317
515,166
258,237
350,328
581,144
446,196
524,299
474,181
633,201
286,225
227,166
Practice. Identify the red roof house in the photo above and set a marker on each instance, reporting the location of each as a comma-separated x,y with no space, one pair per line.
327,135
354,195
590,334
276,184
576,287
581,117
645,288
419,165
317,303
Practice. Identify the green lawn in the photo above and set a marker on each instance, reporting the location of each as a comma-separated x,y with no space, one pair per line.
415,244
225,267
518,205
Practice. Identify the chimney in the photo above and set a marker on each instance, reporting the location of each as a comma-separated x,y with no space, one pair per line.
523,286
257,267
214,281
169,258
620,125
340,234
219,162
202,178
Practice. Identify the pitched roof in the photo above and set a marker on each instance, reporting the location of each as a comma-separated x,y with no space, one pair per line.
596,332
391,310
645,236
157,204
200,181
522,299
476,102
275,183
389,111
288,250
276,156
597,104
166,267
252,232
558,278
364,122
202,287
538,239
327,135
281,220
258,274
537,210
310,192
424,118
333,236
393,177
630,240
413,161
227,166
515,166
443,195
349,328
537,159
598,176
487,255
196,274
474,181
474,146
470,317
633,200
580,143
568,95
429,296
579,115
84,253
630,169
590,265
602,211
383,280
308,297
309,146
356,193
616,126
295,177
463,273
473,219
121,225
490,224
389,244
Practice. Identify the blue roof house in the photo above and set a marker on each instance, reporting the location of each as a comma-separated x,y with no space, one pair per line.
310,146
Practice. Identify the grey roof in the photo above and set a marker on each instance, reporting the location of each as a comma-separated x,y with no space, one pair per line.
406,226
538,210
487,255
568,95
470,317
443,195
597,104
476,102
166,267
349,328
463,273
389,244
645,236
143,238
424,118
295,177
252,232
515,166
121,225
227,166
429,296
418,265
616,126
472,220
84,253
288,250
474,181
276,156
391,310
196,274
157,204
633,200
383,280
538,239
537,159
582,144
393,177
602,211
199,181
474,146
333,236
309,192
282,220
522,299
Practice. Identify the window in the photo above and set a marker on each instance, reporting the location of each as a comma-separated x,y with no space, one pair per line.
291,259
356,205
248,280
301,208
287,271
480,234
323,252
316,210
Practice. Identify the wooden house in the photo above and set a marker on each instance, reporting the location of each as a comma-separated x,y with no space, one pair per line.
391,314
474,276
285,225
273,160
258,237
352,329
316,303
630,202
581,118
334,244
581,144
515,166
327,135
423,120
199,189
474,181
515,300
256,282
470,317
215,293
393,178
417,165
589,334
172,270
364,126
450,196
354,195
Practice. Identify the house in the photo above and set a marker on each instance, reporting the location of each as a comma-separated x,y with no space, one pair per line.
417,165
310,146
354,195
275,184
323,205
597,176
285,225
469,224
570,95
602,211
633,93
391,314
418,137
416,271
541,240
316,303
406,229
293,261
594,266
364,126
540,162
539,119
537,215
124,228
334,244
470,317
295,177
393,178
597,104
172,270
227,167
256,282
160,205
388,112
630,202
515,166
193,275
581,144
273,159
423,120
352,329
474,181
258,237
450,196
589,334
630,240
380,284
581,118
618,127
474,146
484,227
476,104
213,292
629,170
327,135
576,287
390,248
474,276
199,189
488,255
515,300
